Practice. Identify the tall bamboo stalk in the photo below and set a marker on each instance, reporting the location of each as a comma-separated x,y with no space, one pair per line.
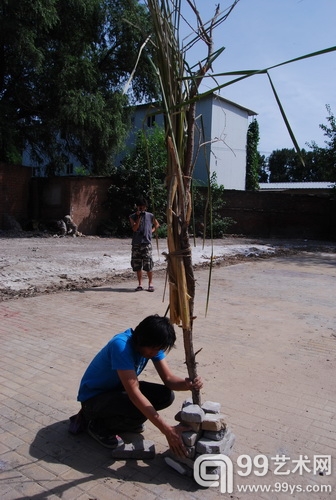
179,86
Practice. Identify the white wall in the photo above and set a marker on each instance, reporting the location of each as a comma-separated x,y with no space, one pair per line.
222,126
228,159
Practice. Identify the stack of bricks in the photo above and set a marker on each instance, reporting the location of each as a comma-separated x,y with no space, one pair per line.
208,435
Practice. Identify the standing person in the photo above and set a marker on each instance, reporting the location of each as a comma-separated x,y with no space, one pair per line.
143,224
114,400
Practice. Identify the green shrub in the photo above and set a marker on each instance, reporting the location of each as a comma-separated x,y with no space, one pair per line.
142,174
208,204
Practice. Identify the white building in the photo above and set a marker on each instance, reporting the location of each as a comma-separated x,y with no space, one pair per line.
221,132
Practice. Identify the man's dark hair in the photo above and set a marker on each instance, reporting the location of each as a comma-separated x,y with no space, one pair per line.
155,331
141,202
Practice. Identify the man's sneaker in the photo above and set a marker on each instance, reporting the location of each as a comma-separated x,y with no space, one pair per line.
104,438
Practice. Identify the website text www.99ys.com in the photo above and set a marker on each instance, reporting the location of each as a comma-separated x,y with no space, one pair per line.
217,471
283,487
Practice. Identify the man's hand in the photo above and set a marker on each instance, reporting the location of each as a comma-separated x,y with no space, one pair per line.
174,438
196,383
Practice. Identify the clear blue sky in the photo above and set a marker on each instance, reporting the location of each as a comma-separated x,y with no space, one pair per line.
261,33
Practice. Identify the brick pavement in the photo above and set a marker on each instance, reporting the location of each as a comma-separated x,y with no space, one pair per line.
268,356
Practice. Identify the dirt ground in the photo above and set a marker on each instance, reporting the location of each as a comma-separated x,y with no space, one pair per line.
33,264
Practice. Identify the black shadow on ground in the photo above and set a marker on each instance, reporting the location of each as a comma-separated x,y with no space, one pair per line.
54,444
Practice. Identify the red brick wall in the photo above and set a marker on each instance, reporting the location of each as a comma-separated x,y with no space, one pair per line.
88,196
14,191
80,197
282,214
270,214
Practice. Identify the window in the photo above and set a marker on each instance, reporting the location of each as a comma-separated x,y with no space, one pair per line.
150,121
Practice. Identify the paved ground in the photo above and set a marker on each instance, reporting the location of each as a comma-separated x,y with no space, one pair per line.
268,356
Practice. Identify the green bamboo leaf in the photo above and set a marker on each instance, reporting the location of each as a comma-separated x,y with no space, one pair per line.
249,73
283,114
214,56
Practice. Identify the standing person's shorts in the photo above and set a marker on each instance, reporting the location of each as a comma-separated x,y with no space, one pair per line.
142,257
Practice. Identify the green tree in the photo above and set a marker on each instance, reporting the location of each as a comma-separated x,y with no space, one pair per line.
252,157
141,174
22,25
325,158
64,66
262,168
285,165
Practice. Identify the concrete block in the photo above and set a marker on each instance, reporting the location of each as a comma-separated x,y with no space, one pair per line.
182,469
178,416
230,439
191,451
206,446
214,435
194,426
192,413
189,462
139,449
213,422
190,437
211,407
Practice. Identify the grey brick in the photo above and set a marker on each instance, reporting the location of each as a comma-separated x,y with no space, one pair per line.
194,426
189,462
174,464
191,450
192,413
213,422
214,435
139,449
211,407
206,446
190,437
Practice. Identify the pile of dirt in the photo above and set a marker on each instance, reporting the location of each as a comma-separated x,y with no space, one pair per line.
38,263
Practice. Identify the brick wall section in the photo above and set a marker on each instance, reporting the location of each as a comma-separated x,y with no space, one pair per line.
269,214
14,191
300,214
82,198
87,207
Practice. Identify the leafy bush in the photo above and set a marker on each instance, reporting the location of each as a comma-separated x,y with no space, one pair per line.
142,174
208,205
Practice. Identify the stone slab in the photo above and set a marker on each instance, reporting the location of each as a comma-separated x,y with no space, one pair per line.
224,446
174,464
214,435
139,449
211,407
190,437
192,413
213,422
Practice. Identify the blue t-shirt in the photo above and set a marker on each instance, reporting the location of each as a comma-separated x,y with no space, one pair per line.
118,354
